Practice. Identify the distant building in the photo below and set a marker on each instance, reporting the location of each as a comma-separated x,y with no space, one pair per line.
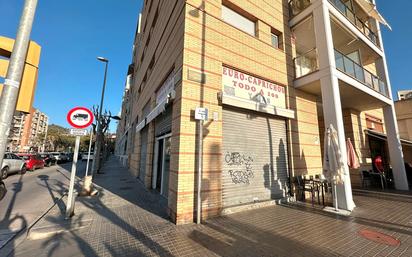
404,94
26,130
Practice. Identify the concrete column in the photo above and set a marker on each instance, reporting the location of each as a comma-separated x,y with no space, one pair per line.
332,107
395,148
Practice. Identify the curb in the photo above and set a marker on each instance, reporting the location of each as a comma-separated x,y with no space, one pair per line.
49,231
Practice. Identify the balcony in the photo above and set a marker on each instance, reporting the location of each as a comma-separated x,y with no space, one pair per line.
356,71
306,63
297,6
356,21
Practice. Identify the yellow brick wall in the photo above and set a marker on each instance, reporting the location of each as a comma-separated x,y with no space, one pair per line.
355,126
206,49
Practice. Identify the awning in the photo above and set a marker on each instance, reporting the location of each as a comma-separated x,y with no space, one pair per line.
382,136
160,107
141,125
370,9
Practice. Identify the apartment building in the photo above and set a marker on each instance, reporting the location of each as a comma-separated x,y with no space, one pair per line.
272,75
404,94
26,130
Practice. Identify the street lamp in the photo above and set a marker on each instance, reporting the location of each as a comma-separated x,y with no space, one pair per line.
96,158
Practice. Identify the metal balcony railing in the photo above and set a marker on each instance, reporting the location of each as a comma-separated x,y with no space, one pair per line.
351,68
359,24
306,63
297,6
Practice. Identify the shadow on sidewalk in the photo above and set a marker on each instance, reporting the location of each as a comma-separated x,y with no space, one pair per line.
373,223
105,218
6,224
226,236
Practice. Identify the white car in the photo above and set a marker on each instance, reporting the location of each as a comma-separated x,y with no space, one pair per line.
85,155
60,157
12,164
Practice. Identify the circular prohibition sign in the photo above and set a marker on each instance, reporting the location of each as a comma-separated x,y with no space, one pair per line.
80,117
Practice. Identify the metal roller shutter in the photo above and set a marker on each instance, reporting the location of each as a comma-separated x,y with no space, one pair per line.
144,137
164,122
255,164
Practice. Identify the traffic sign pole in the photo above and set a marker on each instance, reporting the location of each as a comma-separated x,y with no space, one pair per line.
79,118
71,198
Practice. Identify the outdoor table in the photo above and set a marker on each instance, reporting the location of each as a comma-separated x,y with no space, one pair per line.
319,183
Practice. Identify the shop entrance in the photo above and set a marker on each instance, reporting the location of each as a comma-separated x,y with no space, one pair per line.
255,157
161,165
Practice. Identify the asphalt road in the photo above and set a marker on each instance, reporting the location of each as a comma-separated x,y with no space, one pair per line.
30,195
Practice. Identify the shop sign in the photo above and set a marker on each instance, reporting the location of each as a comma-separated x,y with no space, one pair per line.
242,85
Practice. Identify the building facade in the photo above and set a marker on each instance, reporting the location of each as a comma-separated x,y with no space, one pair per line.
28,131
272,75
28,82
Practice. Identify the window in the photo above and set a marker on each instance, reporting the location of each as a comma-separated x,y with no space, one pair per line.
275,40
238,21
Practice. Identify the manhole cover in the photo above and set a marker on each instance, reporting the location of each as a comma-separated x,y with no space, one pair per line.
123,179
379,237
126,188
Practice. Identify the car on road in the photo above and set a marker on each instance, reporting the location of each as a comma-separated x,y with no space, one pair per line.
33,161
12,164
86,155
60,157
49,159
69,156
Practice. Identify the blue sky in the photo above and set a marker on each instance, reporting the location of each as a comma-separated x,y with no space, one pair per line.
73,33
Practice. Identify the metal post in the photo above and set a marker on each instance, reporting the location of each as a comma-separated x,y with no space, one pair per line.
70,198
97,148
199,173
11,87
88,154
335,194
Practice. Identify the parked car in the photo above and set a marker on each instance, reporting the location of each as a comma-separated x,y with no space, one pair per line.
60,157
33,161
12,164
3,189
49,159
86,155
69,156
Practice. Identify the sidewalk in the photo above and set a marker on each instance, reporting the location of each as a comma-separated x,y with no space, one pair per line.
125,220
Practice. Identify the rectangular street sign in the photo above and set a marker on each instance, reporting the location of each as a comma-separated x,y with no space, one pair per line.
201,113
78,132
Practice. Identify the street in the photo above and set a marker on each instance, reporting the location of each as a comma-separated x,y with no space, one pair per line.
30,195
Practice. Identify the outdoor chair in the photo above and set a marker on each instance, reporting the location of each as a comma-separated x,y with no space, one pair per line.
303,186
366,177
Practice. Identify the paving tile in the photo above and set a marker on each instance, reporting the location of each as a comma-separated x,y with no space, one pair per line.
128,220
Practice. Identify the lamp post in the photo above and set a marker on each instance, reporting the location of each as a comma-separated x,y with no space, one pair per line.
97,149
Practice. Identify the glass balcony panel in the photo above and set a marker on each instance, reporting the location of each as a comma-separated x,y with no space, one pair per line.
349,66
351,16
339,61
359,73
306,63
368,79
382,88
